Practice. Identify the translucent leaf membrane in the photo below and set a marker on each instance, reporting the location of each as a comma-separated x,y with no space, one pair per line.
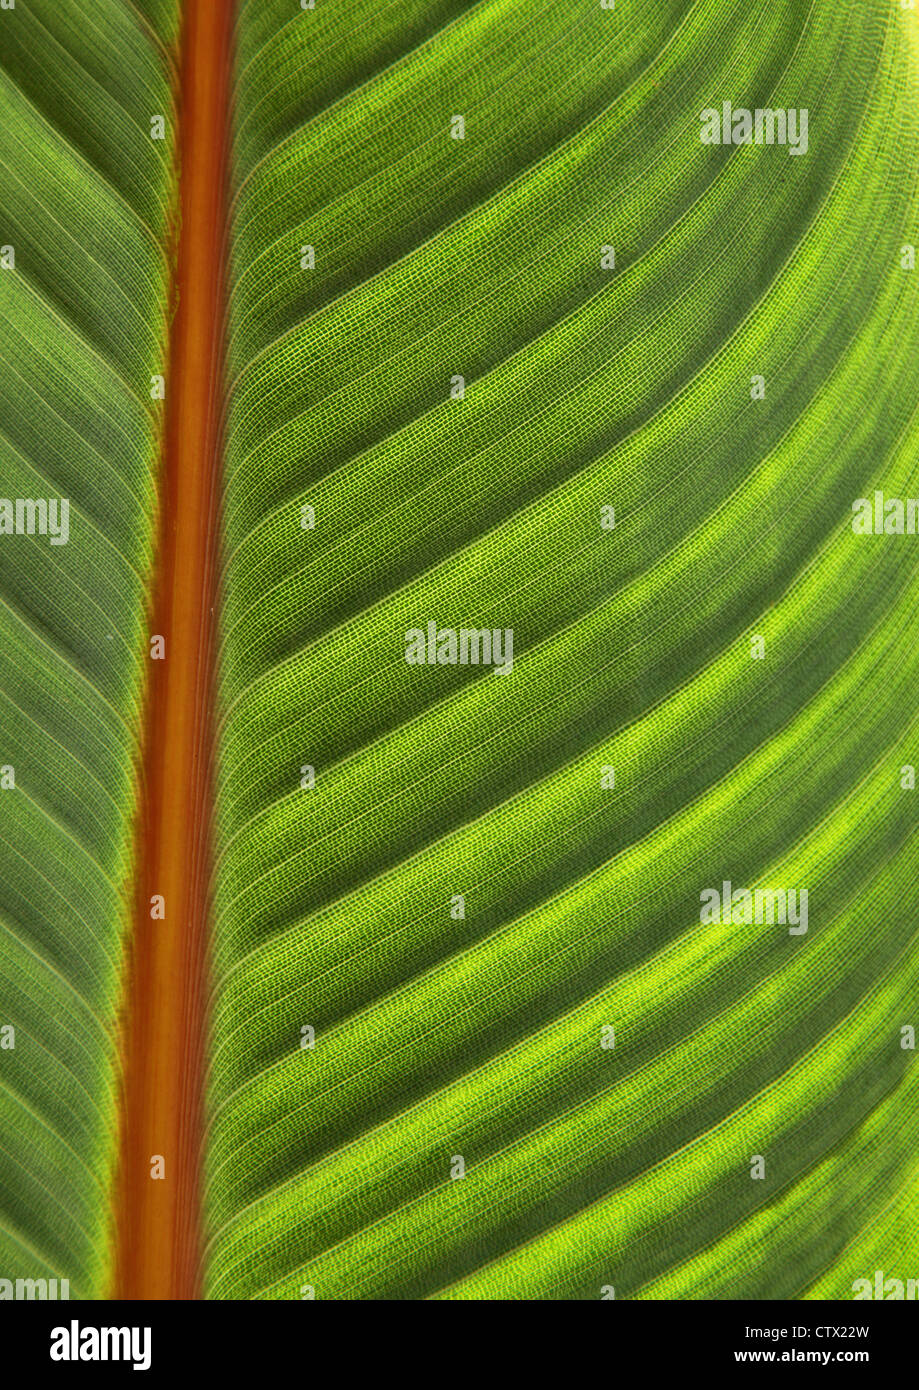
471,1037
85,198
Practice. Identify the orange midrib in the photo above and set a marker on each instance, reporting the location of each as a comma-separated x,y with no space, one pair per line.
158,1226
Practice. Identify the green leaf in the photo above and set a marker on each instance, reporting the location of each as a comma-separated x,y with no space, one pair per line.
471,1035
333,1167
85,202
